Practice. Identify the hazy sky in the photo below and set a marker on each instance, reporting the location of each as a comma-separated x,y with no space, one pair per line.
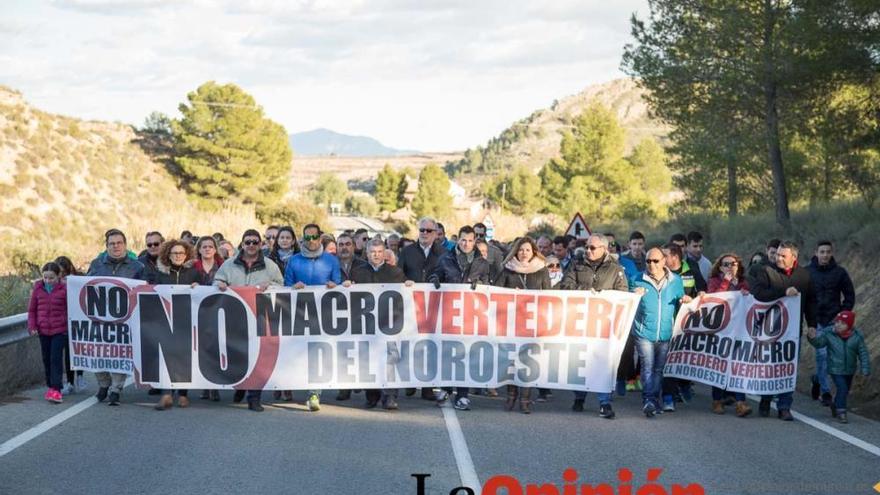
432,75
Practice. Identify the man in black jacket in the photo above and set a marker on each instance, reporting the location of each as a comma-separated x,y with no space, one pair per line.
345,247
418,260
376,271
598,270
150,256
834,293
463,265
494,255
784,279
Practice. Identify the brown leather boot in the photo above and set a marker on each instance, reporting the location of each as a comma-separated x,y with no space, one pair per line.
165,402
718,407
742,409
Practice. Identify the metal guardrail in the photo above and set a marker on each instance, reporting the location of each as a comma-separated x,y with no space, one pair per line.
13,329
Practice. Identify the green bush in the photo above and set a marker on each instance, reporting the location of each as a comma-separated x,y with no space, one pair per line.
293,213
15,293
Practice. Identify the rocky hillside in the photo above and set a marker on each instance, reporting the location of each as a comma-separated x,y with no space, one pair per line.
65,181
533,141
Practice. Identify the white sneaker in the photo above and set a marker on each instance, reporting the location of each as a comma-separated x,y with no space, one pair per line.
67,389
81,383
441,396
463,404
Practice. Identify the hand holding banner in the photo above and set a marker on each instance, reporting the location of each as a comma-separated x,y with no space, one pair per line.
364,336
734,342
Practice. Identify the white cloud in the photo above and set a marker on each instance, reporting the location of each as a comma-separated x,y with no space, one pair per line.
429,75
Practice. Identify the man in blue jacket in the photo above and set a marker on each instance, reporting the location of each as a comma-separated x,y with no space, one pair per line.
662,293
312,266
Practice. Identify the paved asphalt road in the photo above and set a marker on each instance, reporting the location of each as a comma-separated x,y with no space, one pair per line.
344,449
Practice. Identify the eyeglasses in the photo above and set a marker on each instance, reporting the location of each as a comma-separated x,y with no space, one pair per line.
251,243
269,237
153,244
311,237
480,234
728,264
553,265
426,231
594,248
651,262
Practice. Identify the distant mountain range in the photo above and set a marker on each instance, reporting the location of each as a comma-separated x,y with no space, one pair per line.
324,142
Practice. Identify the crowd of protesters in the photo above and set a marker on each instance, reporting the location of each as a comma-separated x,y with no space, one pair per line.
666,276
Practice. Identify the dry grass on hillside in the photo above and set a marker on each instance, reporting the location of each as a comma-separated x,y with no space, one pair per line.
64,182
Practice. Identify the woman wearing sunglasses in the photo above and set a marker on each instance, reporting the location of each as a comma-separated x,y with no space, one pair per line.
728,274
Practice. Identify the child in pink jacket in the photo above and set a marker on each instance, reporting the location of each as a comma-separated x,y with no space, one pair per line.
47,316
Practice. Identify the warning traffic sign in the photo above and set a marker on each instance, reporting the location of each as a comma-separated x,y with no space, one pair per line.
578,227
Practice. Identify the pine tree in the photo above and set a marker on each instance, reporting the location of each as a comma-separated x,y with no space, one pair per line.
328,189
226,149
388,183
432,198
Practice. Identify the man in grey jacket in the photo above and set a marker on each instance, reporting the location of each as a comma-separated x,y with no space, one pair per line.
597,271
249,268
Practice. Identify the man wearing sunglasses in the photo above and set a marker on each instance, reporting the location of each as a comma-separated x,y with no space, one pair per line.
311,266
418,260
269,242
662,294
149,256
249,268
597,271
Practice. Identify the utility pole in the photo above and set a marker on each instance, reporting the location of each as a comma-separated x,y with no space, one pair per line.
503,194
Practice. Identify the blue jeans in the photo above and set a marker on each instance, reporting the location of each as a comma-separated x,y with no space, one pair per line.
783,401
652,356
604,398
842,383
822,360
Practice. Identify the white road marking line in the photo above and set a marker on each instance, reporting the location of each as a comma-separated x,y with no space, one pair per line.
32,433
846,437
466,470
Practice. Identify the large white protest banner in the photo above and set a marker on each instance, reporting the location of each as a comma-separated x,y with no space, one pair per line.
365,336
735,342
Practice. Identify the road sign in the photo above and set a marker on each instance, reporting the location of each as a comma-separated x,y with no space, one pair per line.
578,227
